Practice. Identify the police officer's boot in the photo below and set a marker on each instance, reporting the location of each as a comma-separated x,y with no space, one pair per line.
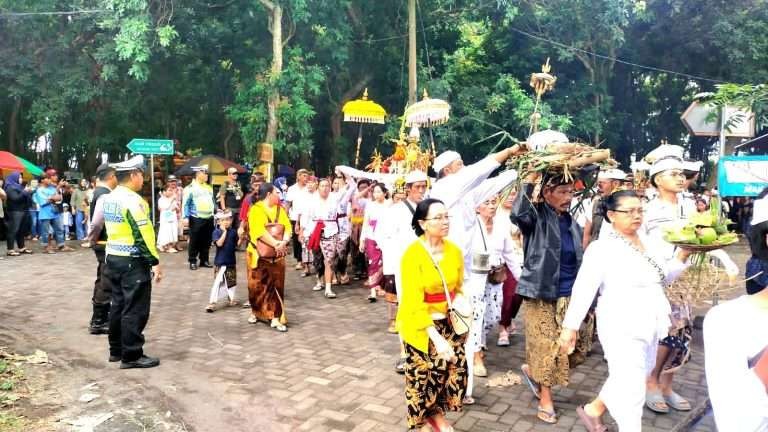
100,319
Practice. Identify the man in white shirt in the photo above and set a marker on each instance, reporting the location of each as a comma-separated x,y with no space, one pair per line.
395,233
608,181
462,188
296,193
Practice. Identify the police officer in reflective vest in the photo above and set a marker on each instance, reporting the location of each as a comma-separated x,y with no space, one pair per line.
131,263
197,208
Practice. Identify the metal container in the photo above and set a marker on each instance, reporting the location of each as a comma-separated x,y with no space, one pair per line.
481,262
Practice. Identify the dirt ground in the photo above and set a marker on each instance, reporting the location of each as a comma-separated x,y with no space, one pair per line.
49,396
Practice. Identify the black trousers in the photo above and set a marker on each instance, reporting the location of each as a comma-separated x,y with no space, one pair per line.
200,232
132,282
296,242
102,287
15,223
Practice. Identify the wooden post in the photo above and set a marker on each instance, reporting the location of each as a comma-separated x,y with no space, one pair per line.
411,52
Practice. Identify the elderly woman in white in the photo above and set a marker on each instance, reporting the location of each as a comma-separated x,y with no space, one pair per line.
632,310
483,287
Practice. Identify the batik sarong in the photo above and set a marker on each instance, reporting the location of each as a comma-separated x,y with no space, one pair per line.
434,386
375,262
543,323
266,288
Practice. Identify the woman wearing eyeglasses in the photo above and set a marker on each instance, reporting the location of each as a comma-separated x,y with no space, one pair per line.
632,310
435,366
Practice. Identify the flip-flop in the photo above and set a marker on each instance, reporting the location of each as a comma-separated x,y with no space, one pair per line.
503,339
654,400
547,416
533,385
468,400
13,253
593,424
677,402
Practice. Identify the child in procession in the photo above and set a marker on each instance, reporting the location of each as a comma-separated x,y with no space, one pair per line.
224,265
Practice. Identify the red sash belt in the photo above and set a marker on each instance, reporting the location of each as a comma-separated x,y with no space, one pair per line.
437,298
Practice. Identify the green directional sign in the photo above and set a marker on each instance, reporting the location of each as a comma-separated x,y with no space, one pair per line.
151,146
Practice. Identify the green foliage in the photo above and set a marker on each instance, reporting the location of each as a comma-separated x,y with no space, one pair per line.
299,82
198,71
747,97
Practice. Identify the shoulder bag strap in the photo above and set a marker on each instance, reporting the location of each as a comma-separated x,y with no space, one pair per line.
482,234
440,273
410,207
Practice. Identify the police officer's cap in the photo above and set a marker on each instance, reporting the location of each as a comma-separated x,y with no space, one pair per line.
132,164
104,168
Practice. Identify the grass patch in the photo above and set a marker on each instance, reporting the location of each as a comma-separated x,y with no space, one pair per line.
10,422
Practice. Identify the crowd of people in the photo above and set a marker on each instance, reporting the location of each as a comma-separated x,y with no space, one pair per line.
455,258
45,209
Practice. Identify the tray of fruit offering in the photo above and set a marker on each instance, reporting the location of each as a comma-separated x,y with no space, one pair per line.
703,232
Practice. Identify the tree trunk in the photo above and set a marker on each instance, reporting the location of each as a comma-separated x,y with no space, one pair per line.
229,131
276,28
336,117
412,52
13,126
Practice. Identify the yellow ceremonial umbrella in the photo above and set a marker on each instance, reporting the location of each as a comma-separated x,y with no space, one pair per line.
428,112
363,111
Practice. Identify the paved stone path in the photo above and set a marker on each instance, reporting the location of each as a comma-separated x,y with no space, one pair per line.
332,371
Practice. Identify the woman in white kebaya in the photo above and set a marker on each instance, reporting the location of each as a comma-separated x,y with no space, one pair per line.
485,288
632,310
736,342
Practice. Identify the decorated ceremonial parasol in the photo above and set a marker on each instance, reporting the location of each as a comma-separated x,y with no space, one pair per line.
363,111
428,113
541,82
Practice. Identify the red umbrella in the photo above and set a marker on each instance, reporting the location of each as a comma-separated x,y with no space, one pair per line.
9,162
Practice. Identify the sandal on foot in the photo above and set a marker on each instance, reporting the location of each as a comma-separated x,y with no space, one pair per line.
503,339
210,308
392,328
480,371
13,253
533,385
27,251
655,402
547,416
277,325
468,400
432,423
677,402
593,424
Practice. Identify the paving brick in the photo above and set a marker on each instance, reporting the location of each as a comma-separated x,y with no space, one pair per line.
331,371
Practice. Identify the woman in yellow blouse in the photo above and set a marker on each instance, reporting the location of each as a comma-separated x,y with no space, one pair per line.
266,276
436,367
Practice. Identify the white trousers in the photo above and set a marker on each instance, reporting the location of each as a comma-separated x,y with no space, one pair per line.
630,361
486,312
220,289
